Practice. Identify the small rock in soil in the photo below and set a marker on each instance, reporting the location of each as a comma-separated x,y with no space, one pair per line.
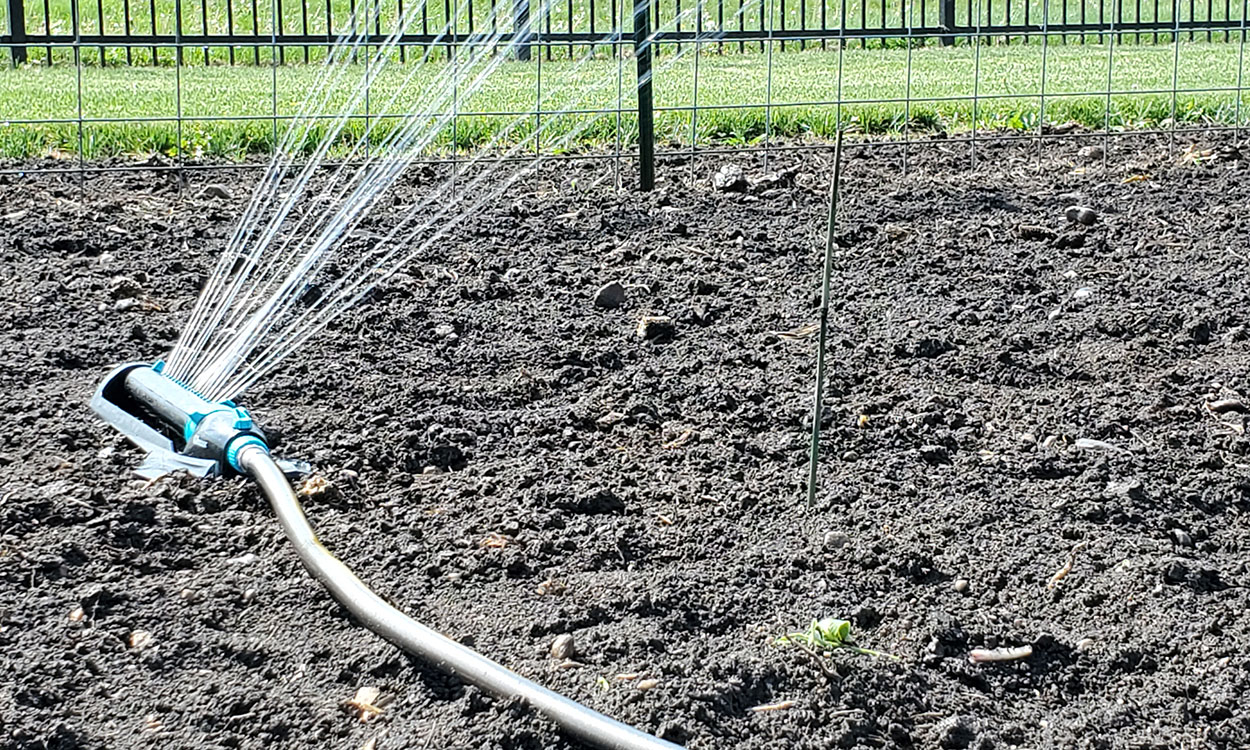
934,454
1070,240
656,328
962,585
956,732
217,191
1091,153
126,305
899,735
1035,232
1226,405
1089,444
123,287
730,179
563,647
836,539
1081,215
140,639
1181,538
610,296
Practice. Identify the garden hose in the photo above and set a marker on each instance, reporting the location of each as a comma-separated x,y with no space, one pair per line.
158,414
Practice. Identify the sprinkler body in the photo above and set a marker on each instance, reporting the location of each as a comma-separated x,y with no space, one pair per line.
174,425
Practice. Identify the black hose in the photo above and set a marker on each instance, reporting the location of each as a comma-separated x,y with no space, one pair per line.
447,655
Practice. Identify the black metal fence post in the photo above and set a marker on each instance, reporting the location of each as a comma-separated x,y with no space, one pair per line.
17,30
646,110
520,27
946,20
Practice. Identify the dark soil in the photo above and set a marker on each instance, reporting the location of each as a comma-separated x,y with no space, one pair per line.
540,469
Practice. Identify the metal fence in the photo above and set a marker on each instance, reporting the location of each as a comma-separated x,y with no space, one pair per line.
242,31
734,75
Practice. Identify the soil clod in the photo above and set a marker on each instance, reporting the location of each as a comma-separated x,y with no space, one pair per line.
730,179
1081,215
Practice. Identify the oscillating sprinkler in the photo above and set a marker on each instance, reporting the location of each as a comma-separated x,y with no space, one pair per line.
180,430
176,427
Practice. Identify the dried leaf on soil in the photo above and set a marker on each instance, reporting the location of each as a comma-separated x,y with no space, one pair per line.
800,333
366,701
315,486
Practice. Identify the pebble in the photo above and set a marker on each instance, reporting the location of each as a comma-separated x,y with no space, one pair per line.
123,287
1089,444
1085,644
610,296
956,732
934,454
836,539
655,328
563,647
140,639
962,585
648,684
1081,215
1091,153
216,191
1084,292
1181,538
247,559
1227,405
249,595
125,305
730,179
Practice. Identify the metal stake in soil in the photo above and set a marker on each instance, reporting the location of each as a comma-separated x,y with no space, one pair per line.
824,323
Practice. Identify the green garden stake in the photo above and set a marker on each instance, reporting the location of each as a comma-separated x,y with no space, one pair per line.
824,323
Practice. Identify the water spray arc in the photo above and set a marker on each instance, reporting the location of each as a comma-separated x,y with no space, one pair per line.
253,313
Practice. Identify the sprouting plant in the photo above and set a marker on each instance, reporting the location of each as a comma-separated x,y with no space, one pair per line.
824,636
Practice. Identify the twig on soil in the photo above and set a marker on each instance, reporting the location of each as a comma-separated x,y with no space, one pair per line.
818,661
1063,572
765,708
983,655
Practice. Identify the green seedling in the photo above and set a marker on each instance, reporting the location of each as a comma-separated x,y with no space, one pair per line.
825,636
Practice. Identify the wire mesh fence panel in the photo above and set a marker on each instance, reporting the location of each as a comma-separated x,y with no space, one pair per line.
101,79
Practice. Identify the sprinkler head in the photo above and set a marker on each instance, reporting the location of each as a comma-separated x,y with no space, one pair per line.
178,428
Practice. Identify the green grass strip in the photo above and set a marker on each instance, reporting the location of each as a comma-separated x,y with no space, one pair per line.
732,93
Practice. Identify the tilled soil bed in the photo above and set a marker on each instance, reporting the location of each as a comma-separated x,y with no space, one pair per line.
1035,437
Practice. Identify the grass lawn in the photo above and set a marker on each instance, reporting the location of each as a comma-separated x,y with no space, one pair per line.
227,111
117,17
